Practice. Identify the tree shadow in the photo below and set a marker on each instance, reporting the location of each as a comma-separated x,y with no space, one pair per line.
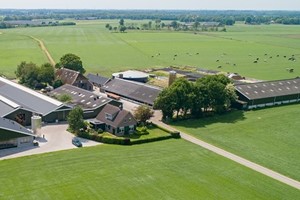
228,118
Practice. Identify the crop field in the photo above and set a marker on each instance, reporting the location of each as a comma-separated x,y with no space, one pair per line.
104,52
172,169
269,137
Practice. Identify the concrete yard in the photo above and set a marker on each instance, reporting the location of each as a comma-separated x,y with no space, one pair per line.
56,138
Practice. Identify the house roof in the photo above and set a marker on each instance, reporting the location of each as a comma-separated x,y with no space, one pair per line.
67,76
11,127
97,79
14,96
269,88
121,117
81,97
137,91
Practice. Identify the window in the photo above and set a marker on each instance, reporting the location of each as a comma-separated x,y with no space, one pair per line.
108,116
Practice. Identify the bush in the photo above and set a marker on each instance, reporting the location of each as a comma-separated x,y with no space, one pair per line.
100,131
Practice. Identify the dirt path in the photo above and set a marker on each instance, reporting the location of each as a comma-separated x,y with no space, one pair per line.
263,170
45,50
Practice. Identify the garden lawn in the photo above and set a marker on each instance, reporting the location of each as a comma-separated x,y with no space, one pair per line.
104,52
172,169
269,137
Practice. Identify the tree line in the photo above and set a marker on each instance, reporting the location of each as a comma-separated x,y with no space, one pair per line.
225,17
211,94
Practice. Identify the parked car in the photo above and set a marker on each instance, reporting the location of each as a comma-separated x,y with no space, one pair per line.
76,142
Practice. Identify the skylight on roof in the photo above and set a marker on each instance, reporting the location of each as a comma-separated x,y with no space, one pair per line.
88,103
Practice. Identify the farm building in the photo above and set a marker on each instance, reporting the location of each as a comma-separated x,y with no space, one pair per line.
115,120
138,92
14,135
132,75
20,103
270,93
72,77
91,103
97,80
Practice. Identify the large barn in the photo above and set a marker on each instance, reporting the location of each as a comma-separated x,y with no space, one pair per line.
269,93
138,92
20,103
90,103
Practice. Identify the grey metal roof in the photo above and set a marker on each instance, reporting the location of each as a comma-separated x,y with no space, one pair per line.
18,95
5,109
269,89
97,79
137,91
81,97
10,125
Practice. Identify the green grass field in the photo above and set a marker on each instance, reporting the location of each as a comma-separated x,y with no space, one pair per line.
172,169
105,52
269,137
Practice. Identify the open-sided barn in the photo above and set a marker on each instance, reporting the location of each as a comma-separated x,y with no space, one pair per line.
269,93
19,103
13,134
138,92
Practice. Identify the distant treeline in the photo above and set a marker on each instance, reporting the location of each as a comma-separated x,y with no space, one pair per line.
29,23
228,17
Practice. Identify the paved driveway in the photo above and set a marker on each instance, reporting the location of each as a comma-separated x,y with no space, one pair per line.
56,139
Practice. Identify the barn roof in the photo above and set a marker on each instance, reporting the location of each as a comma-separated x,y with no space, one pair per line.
100,80
12,129
269,88
67,76
14,96
137,91
81,97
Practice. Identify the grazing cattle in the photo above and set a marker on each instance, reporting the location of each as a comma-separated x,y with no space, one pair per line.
284,56
291,70
271,57
266,54
255,61
217,60
152,56
197,53
175,55
277,55
234,64
219,66
257,58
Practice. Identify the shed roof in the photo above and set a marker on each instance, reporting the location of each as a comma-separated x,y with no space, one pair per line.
15,96
67,76
269,88
100,80
81,97
132,90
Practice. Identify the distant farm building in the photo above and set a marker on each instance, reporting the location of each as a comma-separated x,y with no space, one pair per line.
90,103
20,103
13,134
72,77
132,75
270,93
97,80
135,91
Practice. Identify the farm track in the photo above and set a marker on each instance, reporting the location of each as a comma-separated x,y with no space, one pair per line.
44,49
258,168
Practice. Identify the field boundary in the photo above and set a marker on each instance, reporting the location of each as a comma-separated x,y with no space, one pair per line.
44,49
256,167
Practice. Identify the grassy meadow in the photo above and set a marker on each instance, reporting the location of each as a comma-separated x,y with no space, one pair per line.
269,137
105,52
173,169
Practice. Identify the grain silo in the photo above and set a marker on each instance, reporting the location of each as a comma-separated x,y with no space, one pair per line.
172,77
36,125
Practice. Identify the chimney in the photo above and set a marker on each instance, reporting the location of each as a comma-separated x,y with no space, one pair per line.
121,107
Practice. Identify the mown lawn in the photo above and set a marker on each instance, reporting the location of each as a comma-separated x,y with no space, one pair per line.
105,52
172,169
269,137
